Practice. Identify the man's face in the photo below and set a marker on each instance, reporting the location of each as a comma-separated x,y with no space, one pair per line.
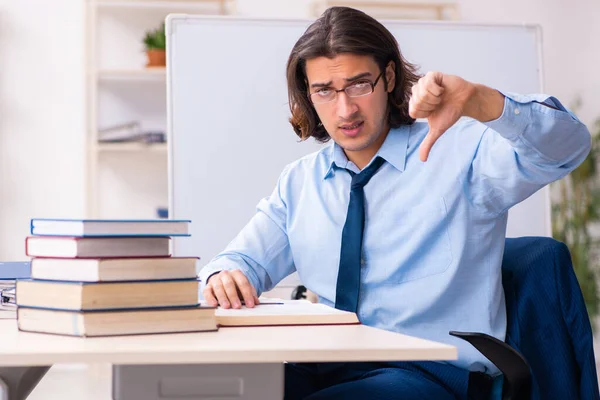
357,124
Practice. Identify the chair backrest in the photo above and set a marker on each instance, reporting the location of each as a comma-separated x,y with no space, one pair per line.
547,318
516,384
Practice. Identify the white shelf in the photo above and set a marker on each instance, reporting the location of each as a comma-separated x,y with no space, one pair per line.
144,74
131,147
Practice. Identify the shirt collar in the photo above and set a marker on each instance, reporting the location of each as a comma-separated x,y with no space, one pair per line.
393,150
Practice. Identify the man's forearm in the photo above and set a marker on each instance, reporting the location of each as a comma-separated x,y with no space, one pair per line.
485,104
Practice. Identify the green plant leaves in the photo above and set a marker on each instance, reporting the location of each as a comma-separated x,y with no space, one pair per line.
156,39
573,217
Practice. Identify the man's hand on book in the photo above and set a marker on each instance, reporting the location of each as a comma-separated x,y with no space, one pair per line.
226,288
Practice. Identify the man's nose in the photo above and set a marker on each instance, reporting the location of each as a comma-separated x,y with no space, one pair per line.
346,108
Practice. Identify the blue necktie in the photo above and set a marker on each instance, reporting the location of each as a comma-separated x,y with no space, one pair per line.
348,279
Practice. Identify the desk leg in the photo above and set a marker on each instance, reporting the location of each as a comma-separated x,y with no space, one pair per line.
198,381
16,383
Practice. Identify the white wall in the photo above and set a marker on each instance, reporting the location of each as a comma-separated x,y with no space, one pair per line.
571,35
273,8
41,115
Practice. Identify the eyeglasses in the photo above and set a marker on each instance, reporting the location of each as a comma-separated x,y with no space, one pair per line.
359,88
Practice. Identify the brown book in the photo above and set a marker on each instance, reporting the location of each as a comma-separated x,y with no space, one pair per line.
97,247
113,269
117,322
287,312
81,296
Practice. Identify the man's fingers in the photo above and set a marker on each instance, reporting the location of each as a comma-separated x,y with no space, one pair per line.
434,77
432,84
416,113
424,107
209,296
422,102
428,91
244,287
231,289
219,292
416,110
435,92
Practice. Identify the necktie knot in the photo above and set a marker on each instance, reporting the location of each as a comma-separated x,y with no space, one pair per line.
361,179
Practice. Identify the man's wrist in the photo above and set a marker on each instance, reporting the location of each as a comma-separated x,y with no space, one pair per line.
484,104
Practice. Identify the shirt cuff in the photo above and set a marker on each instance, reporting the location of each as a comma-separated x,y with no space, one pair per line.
515,117
517,113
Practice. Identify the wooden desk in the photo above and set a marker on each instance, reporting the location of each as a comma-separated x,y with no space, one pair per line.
226,350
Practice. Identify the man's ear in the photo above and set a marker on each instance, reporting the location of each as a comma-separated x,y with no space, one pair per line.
390,76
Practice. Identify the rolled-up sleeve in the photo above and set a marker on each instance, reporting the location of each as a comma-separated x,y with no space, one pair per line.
534,142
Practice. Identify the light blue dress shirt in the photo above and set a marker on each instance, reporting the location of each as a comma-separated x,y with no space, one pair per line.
434,231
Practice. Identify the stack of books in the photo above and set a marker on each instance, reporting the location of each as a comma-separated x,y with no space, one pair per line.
109,277
9,273
130,132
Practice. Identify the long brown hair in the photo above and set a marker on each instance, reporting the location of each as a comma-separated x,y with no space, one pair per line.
346,30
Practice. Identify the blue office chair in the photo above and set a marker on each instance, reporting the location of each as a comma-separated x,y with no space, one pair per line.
549,351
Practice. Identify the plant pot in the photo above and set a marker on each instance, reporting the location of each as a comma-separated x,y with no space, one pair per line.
156,58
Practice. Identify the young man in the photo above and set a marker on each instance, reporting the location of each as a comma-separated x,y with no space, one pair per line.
400,221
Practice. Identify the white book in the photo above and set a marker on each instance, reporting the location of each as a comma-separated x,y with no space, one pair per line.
113,269
97,247
289,312
109,227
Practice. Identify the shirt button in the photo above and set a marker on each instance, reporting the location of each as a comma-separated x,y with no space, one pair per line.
362,261
517,111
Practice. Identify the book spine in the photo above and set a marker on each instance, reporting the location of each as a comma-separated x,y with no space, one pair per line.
27,247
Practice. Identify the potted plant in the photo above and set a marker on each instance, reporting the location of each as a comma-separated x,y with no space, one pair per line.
576,215
155,42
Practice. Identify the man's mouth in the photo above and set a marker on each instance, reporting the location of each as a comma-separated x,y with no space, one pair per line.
352,129
352,126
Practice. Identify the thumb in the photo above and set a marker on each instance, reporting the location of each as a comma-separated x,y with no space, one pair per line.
430,139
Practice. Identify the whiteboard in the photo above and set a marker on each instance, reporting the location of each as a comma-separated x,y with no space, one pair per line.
228,131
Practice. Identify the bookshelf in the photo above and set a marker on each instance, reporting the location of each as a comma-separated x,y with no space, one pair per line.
128,179
146,74
131,147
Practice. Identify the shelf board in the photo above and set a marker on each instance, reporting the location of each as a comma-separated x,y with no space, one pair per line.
162,4
142,74
131,147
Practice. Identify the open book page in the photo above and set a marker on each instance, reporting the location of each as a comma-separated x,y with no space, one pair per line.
284,312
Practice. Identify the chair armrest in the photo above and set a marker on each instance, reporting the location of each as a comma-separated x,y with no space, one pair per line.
516,371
